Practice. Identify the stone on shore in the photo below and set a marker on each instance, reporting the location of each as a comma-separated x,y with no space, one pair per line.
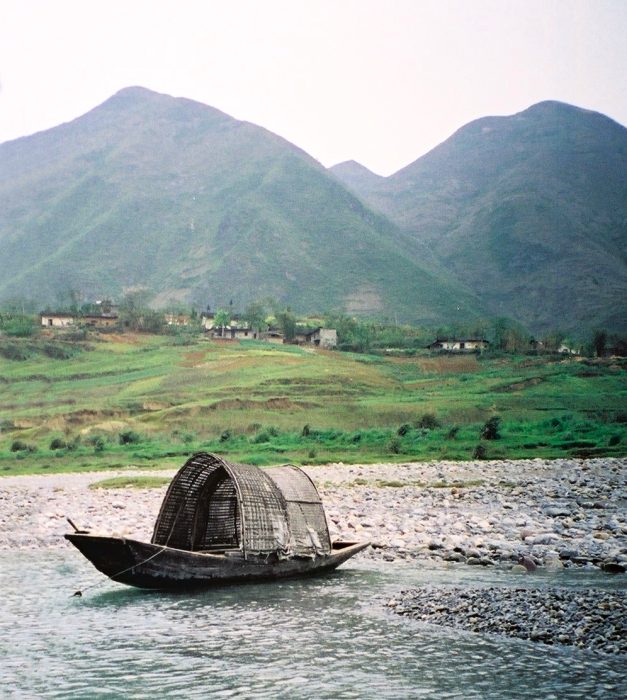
556,514
590,619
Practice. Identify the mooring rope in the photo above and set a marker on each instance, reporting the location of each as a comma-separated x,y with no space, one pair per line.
79,593
186,496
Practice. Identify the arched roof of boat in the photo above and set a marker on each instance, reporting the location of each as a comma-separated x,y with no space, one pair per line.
277,510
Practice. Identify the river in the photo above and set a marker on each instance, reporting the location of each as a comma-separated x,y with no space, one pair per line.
327,637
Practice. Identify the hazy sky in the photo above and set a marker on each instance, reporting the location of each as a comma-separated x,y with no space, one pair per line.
377,81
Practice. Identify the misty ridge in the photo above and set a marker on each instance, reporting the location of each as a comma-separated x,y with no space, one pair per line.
522,216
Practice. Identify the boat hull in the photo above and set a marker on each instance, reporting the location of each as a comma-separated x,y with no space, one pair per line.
147,565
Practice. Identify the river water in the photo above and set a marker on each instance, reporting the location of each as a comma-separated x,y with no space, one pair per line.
327,637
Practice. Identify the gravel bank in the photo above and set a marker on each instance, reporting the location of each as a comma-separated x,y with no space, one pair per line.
589,619
555,514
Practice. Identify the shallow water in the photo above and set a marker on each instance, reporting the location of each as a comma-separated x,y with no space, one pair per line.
328,637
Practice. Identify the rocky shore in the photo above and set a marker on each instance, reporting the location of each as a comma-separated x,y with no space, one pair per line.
517,515
590,619
514,514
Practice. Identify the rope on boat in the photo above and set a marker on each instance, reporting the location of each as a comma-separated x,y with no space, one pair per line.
79,593
186,496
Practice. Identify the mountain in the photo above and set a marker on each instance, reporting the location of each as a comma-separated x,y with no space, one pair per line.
528,211
358,177
177,197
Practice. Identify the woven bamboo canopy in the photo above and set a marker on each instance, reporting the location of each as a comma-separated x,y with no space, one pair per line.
212,505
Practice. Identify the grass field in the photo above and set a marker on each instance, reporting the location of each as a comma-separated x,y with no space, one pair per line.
115,401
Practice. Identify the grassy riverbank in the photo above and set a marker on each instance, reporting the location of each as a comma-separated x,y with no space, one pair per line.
150,400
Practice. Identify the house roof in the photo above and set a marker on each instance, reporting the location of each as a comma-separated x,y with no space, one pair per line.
461,340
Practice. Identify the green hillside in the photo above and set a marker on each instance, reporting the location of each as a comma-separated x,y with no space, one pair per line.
528,211
115,400
168,194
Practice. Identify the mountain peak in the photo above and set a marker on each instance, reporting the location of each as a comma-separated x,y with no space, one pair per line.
553,110
355,175
527,210
134,94
138,95
351,165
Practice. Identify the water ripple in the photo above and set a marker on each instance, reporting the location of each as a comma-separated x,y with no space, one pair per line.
317,638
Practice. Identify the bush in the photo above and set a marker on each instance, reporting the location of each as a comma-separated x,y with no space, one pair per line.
187,438
15,351
306,430
480,452
428,421
452,433
404,429
21,446
394,446
129,437
56,351
490,430
98,442
58,444
263,436
74,442
226,435
614,440
20,327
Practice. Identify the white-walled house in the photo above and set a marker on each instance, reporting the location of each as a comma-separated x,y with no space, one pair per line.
234,333
459,344
57,320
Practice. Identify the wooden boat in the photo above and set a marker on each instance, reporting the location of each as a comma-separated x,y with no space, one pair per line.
221,523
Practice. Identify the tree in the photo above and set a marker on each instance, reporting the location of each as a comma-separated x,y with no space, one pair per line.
599,342
552,341
221,320
286,321
490,430
509,336
255,316
135,314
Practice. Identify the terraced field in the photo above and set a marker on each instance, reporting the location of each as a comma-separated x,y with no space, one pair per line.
116,400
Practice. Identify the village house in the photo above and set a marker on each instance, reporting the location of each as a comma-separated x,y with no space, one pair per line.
100,320
459,344
322,337
177,319
567,350
238,329
234,333
207,321
273,336
57,320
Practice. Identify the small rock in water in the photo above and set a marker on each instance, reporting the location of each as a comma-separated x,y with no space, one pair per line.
528,563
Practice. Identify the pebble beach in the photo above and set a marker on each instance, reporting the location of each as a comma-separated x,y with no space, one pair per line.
550,513
523,516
